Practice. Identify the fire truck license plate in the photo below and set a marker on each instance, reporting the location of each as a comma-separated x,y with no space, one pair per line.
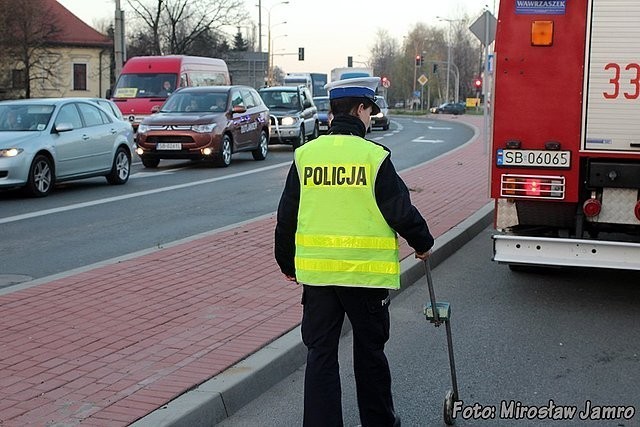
533,158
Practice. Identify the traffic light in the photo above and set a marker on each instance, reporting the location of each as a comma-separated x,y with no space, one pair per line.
300,54
417,60
349,61
435,68
421,60
477,83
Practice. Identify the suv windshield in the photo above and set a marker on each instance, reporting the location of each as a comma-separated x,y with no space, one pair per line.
286,99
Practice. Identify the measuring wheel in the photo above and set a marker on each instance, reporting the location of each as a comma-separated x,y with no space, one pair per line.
447,408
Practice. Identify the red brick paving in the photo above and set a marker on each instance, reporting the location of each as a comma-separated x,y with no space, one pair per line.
107,346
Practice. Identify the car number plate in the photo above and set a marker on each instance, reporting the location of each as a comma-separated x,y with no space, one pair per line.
169,146
324,127
534,158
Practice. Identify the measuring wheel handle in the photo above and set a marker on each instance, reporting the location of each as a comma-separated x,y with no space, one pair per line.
447,409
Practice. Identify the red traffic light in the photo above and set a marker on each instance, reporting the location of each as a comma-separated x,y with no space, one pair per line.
477,83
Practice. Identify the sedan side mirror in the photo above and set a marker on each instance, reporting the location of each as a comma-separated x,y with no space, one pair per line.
63,127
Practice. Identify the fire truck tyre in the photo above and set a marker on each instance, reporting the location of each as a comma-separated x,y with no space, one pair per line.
224,158
447,408
300,140
41,179
260,153
121,168
150,162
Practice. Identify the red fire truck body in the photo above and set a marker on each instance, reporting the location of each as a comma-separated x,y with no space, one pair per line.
565,167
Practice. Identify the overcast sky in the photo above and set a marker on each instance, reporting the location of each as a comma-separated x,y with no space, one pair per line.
329,30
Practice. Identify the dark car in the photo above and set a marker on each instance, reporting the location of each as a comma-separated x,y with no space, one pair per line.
294,117
207,123
322,104
382,118
454,108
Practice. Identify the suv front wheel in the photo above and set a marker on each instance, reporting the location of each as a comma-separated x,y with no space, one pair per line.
301,139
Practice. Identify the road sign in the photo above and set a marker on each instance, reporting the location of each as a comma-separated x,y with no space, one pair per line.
386,83
423,79
484,28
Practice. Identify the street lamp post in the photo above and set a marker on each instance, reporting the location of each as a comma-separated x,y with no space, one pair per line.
269,56
450,21
270,53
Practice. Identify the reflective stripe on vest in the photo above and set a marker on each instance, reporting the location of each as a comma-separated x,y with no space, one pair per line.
342,238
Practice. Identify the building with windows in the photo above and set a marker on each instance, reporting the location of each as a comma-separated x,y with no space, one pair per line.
66,57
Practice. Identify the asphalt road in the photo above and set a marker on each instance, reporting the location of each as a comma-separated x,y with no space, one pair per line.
523,342
89,221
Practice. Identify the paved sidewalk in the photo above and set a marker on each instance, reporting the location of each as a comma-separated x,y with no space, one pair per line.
107,345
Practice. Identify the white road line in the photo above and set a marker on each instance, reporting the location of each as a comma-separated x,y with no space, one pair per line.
138,194
430,141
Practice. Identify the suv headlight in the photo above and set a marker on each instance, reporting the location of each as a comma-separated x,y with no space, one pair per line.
203,128
10,152
143,128
289,120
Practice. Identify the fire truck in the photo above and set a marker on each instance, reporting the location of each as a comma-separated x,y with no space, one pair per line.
565,140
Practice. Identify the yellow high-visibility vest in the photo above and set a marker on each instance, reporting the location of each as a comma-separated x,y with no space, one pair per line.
342,238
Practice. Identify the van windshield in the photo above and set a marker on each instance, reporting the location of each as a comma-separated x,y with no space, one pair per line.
147,85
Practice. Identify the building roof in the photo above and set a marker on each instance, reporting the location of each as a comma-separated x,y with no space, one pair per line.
73,30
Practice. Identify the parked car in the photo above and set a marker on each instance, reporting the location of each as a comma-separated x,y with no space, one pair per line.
294,117
382,118
322,104
454,108
207,123
49,140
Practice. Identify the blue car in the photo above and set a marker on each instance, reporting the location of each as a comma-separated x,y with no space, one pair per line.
322,104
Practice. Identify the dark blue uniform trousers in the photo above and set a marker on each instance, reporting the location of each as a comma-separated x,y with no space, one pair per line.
324,308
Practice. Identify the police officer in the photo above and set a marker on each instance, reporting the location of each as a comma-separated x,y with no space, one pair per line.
339,215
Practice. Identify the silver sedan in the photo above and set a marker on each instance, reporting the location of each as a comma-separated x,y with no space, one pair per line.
44,141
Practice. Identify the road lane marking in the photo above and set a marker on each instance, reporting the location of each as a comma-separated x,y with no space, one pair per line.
132,195
430,141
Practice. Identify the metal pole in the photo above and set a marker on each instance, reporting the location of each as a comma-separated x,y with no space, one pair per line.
260,26
448,63
485,82
117,39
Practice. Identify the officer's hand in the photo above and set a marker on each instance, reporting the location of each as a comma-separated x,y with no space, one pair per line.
291,278
423,255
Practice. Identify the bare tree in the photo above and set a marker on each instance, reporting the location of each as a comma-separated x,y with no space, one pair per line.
28,32
176,25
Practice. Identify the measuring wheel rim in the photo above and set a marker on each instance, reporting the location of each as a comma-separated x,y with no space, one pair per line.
447,408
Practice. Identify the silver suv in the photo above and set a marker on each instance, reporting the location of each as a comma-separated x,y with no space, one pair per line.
294,116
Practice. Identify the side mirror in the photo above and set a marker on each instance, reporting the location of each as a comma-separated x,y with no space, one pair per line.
239,109
307,104
108,94
63,127
155,109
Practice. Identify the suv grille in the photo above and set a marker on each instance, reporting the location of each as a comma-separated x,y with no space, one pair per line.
170,138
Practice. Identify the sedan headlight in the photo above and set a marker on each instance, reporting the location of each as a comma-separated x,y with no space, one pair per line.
289,120
143,128
203,128
10,152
